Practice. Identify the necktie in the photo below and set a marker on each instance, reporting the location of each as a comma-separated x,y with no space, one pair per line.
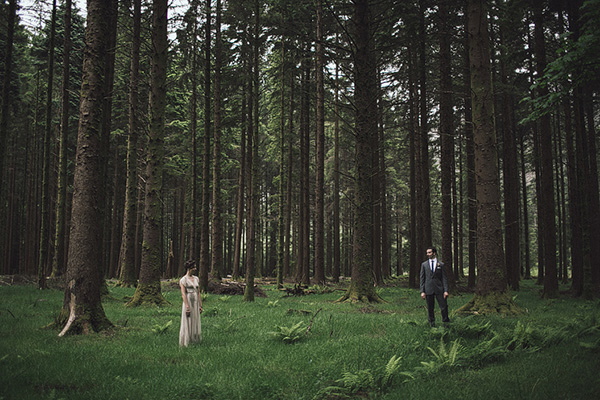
432,266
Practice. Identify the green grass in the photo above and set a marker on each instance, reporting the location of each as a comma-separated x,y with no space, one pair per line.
536,356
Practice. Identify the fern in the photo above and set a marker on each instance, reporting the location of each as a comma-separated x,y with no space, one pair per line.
161,329
487,350
272,304
362,380
523,338
469,328
449,357
390,370
290,334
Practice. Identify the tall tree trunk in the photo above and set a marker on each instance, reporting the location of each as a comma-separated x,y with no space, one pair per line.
491,295
45,221
82,308
547,216
288,196
281,194
564,177
33,200
217,221
336,179
58,262
8,56
376,196
458,213
447,141
511,177
128,277
527,274
148,289
470,151
302,271
109,74
414,176
194,231
204,227
559,182
319,246
384,213
594,202
252,160
424,137
116,218
365,84
241,192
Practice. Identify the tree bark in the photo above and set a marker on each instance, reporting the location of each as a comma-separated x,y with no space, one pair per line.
109,74
414,176
194,253
302,271
59,259
204,226
491,295
470,151
252,161
288,195
82,310
447,141
511,177
8,67
547,216
365,95
128,276
217,221
594,200
527,273
336,180
385,214
148,289
281,188
45,218
424,164
241,192
319,246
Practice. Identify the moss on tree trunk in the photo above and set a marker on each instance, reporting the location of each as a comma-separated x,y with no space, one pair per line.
147,293
491,303
87,320
358,294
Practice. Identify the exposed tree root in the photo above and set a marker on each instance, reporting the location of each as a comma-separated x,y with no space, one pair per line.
493,303
147,294
353,295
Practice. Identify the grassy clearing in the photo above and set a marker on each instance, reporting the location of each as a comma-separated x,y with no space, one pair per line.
546,353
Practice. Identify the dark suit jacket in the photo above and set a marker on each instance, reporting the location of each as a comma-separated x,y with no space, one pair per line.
433,282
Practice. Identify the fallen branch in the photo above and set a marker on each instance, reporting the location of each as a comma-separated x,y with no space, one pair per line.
311,321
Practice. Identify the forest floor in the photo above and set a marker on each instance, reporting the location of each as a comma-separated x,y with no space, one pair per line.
286,346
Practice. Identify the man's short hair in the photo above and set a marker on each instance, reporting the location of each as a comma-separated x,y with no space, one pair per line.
433,249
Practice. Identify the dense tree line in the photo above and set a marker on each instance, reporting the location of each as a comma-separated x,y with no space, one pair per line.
304,140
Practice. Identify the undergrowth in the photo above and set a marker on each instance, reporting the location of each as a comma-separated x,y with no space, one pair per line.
308,347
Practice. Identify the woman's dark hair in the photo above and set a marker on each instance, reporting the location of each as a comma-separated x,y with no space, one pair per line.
189,264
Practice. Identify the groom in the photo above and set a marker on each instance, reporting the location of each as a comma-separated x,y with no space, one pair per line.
434,284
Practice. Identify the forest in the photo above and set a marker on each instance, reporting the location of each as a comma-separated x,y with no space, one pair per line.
310,142
306,155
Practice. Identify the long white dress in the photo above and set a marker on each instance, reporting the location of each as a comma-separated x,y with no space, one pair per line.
190,329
